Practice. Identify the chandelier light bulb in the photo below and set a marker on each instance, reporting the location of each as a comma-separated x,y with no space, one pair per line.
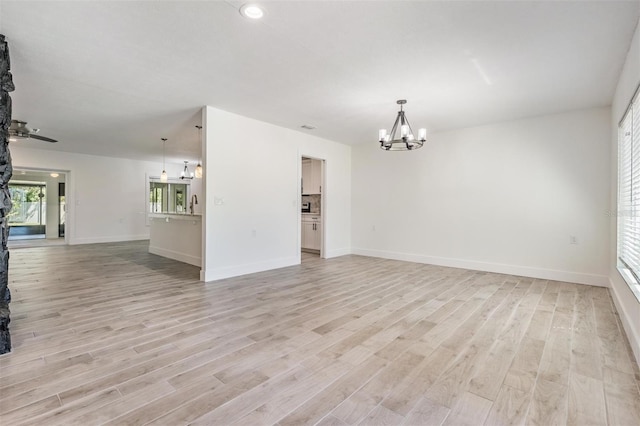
198,173
163,176
422,134
404,130
382,134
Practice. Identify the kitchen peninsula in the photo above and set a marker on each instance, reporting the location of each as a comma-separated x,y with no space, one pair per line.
176,236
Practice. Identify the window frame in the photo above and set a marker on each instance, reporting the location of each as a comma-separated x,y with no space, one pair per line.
630,275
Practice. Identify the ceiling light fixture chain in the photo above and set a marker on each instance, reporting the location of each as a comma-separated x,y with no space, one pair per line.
407,141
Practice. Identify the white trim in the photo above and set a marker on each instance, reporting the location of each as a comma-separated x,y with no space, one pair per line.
630,280
525,271
113,239
337,252
234,271
632,334
181,257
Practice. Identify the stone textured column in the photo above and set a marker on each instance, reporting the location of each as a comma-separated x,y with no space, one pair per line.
6,170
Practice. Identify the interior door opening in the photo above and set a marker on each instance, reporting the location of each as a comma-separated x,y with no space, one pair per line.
312,211
38,212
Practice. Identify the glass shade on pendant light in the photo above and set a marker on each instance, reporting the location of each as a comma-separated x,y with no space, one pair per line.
198,173
163,176
407,141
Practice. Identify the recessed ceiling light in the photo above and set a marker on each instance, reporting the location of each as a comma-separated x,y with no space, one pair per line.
54,175
251,11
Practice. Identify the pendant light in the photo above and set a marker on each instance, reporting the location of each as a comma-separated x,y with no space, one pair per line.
406,141
198,173
163,176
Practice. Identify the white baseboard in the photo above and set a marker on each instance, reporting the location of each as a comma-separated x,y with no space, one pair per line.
112,239
181,257
524,271
628,323
237,270
337,252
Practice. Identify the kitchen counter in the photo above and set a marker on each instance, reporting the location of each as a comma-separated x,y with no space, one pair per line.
177,236
175,216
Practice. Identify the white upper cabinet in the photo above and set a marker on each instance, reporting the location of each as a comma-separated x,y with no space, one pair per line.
311,176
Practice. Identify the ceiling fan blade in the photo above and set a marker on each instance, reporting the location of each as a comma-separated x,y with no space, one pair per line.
42,138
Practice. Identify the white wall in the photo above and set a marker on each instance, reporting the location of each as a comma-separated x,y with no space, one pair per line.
252,187
105,196
627,304
504,198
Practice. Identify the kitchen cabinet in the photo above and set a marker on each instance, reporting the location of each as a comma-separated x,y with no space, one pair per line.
311,176
311,232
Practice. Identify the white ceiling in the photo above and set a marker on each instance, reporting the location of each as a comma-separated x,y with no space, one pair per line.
112,78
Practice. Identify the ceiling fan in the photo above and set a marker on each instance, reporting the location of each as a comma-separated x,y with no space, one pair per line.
19,130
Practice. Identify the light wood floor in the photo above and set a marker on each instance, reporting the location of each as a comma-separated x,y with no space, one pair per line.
109,334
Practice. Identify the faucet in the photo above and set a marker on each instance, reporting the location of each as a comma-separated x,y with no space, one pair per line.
194,200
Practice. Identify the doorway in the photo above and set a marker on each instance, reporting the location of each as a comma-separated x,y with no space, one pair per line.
62,209
312,208
38,213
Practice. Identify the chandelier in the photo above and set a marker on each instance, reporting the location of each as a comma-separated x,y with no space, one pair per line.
407,141
185,174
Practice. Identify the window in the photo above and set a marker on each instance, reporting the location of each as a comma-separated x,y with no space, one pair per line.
629,196
167,197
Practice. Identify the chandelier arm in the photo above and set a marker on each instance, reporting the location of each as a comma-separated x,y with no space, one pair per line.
409,143
403,122
408,124
395,127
